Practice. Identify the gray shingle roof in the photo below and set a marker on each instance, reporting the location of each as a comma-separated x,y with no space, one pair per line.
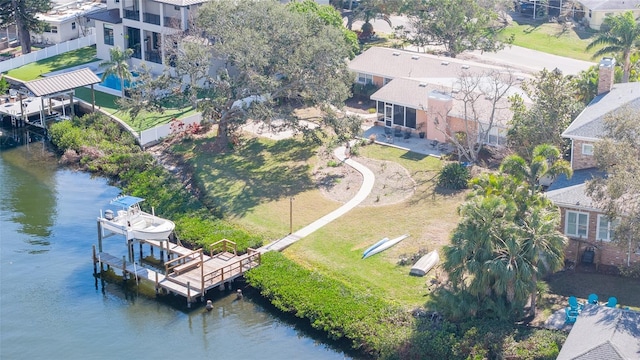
590,123
611,4
394,63
111,16
572,196
601,332
63,82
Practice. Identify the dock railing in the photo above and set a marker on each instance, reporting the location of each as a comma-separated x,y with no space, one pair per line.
183,262
233,270
223,246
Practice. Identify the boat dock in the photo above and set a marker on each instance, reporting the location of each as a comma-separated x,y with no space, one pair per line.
188,273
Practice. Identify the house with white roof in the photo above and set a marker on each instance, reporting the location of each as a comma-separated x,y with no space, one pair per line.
589,230
67,21
595,11
423,93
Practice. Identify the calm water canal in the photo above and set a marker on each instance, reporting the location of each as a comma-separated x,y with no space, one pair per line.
52,308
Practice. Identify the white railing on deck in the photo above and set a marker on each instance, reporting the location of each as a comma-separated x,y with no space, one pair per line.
48,52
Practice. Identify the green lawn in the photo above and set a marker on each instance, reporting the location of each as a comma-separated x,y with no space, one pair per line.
144,120
69,59
551,38
254,186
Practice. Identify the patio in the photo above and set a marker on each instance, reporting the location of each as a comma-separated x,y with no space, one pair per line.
413,143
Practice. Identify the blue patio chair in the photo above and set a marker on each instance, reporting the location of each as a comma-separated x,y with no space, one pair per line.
613,302
593,299
574,304
570,315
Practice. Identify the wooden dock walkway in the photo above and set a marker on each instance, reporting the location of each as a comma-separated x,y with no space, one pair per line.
192,273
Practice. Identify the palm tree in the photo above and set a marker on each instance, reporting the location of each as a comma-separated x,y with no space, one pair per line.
622,36
542,244
118,65
545,162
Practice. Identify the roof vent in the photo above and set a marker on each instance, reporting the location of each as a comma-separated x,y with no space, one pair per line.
415,57
455,91
488,97
520,78
395,53
444,63
465,66
422,84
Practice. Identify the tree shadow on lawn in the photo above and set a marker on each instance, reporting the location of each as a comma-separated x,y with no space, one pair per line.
253,174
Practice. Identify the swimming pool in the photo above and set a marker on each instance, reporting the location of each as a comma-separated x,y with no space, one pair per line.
112,81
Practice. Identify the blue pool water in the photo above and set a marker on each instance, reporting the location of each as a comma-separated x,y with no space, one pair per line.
113,82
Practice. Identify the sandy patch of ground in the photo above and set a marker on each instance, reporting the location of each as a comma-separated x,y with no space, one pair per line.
340,182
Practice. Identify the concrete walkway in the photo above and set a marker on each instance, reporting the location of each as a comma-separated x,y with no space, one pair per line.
365,190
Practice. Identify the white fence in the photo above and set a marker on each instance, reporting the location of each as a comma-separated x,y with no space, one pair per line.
47,52
153,135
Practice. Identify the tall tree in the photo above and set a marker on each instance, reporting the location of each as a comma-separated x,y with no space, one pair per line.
330,16
484,107
622,36
263,74
368,10
500,248
23,13
619,193
118,65
554,107
458,25
586,84
546,161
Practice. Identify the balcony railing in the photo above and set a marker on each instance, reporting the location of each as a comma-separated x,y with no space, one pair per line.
172,22
151,18
132,14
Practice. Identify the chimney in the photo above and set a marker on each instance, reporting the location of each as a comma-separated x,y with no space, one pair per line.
606,75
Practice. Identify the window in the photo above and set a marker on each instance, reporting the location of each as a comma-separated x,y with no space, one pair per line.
496,136
385,81
577,223
365,79
605,228
589,13
587,149
52,29
108,35
73,26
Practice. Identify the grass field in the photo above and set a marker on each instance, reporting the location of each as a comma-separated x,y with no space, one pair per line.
144,120
69,59
551,38
255,184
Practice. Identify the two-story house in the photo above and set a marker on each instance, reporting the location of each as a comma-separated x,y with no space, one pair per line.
144,26
589,230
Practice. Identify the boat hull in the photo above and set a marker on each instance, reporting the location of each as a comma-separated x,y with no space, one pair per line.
384,240
425,263
386,245
143,227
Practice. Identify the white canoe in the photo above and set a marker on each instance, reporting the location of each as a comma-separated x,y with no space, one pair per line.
384,246
384,240
422,266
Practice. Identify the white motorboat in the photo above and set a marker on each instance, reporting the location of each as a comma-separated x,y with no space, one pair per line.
134,223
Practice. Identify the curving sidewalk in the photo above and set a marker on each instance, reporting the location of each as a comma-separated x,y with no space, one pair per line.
365,190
